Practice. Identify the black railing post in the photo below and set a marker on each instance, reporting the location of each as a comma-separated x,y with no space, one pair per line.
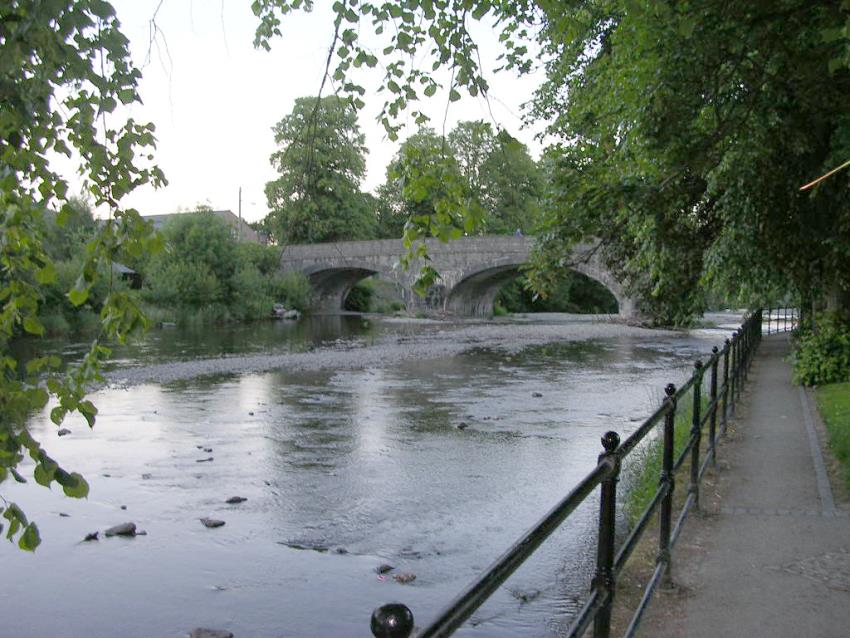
604,581
712,396
394,620
739,357
665,523
727,347
696,433
733,373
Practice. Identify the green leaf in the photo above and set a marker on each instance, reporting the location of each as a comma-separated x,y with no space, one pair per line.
89,411
46,275
30,539
74,485
78,295
57,415
33,326
43,475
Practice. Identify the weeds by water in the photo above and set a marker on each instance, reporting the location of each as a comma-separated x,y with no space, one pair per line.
645,462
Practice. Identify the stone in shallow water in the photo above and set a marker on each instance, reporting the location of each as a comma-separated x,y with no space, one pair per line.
124,529
212,522
236,499
63,432
200,632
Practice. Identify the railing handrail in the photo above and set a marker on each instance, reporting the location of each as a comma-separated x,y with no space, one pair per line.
396,620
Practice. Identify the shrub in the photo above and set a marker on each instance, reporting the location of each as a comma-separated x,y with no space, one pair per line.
292,289
359,298
823,357
251,294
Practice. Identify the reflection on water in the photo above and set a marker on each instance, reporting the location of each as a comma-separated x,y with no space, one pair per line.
434,467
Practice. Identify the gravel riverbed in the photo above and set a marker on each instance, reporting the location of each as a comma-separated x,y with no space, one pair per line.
443,340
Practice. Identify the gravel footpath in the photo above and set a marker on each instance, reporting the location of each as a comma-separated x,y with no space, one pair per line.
385,349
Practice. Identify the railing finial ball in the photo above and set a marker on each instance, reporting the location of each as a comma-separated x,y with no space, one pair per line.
394,620
670,390
698,364
610,441
714,350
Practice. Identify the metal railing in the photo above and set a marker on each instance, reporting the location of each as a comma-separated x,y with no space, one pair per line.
781,319
727,373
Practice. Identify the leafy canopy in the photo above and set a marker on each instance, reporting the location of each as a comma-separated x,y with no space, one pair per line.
64,72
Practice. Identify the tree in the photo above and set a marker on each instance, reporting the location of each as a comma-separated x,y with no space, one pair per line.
321,162
490,182
196,269
423,180
64,68
511,187
689,130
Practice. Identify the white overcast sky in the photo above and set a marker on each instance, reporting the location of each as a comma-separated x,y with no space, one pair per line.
214,98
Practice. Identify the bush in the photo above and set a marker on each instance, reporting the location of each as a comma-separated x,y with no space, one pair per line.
292,289
251,294
359,298
823,357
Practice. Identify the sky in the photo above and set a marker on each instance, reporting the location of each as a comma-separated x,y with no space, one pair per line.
214,98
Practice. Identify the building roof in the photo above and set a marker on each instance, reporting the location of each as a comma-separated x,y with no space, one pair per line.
245,232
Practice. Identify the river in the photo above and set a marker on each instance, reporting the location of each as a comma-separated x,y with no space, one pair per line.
357,442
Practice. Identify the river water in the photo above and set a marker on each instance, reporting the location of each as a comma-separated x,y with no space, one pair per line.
426,446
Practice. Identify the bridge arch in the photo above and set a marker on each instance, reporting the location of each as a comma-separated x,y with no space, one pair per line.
332,283
477,288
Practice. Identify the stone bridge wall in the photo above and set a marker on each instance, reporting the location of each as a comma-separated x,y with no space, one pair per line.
472,270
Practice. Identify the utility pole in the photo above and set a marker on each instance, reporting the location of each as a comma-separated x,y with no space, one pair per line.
239,227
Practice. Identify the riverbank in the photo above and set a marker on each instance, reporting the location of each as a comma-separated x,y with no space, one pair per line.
442,339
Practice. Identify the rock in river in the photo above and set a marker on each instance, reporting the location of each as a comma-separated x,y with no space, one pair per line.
383,569
63,432
200,632
235,499
212,522
404,578
124,529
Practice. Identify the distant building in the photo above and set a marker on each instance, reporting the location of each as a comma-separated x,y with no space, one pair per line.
239,228
133,279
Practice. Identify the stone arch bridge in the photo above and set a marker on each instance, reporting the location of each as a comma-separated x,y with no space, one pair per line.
472,270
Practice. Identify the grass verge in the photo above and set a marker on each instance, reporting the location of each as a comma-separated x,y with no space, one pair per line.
834,406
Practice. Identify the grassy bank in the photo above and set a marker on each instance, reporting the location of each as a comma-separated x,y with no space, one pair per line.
834,405
644,465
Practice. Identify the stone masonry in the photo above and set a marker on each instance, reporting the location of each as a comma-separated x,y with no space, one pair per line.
472,270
